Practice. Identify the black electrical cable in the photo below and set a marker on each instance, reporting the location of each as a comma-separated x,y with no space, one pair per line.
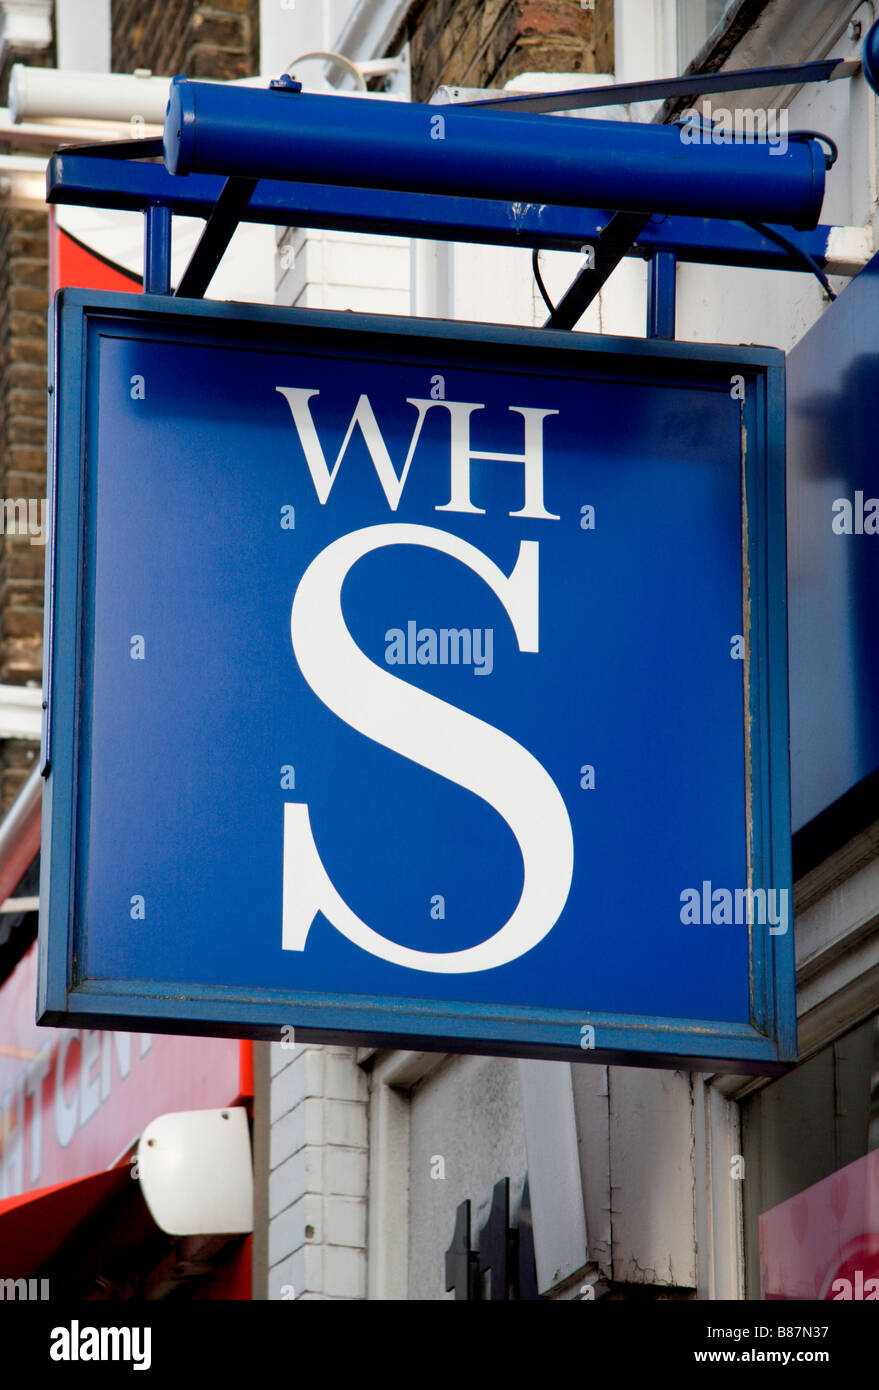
830,156
535,254
808,261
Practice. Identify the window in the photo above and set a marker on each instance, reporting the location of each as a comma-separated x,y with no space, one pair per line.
804,1127
694,21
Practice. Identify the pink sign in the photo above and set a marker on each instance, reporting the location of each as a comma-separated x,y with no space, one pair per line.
824,1243
73,1101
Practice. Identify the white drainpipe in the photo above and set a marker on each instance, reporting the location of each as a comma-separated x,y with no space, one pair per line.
20,834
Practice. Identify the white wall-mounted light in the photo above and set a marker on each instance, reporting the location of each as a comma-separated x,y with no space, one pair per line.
196,1172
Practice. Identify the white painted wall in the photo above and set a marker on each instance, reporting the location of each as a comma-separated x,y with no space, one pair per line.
82,35
343,270
288,28
719,304
469,1113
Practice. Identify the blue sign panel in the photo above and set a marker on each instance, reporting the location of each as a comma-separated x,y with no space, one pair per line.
833,543
417,683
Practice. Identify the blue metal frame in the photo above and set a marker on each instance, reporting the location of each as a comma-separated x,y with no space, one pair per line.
248,134
661,295
67,996
88,181
671,89
157,249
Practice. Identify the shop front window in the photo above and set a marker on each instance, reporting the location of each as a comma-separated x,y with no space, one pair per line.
810,1143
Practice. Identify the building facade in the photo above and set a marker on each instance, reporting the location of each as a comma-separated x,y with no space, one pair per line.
74,1222
386,1167
403,1175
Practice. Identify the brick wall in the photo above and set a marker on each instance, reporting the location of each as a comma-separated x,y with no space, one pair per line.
603,36
24,302
481,43
208,40
219,39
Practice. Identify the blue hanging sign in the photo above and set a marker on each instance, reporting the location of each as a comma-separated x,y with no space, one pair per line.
416,684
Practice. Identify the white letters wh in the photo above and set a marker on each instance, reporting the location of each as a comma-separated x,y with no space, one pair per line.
461,454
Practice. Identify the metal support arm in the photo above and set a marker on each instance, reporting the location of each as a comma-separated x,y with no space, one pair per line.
215,238
87,181
615,242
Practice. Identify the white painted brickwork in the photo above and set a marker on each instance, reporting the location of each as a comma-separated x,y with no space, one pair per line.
343,270
317,1174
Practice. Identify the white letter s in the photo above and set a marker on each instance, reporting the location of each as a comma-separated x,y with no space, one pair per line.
438,736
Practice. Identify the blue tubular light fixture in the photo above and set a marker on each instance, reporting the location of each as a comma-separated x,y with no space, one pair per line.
281,133
870,56
500,171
